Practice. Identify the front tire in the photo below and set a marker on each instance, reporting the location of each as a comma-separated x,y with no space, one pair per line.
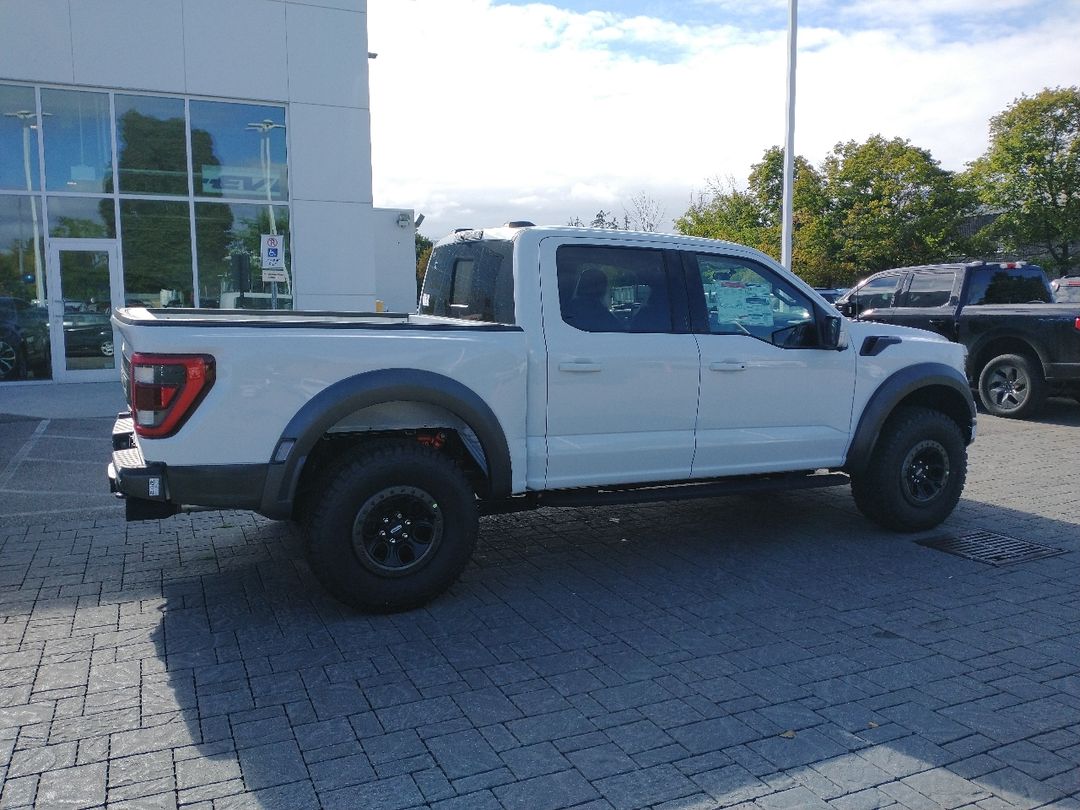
1012,386
391,528
916,472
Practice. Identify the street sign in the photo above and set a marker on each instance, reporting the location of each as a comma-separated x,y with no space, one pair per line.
273,258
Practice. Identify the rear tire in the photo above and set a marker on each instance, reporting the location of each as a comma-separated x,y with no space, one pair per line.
916,472
1012,386
391,528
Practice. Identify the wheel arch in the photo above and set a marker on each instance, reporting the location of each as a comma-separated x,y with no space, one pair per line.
996,344
432,399
931,385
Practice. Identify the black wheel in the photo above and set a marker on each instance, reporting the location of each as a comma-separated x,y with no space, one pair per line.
1012,386
916,472
12,359
391,528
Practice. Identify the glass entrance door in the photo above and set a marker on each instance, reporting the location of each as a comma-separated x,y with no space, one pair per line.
84,282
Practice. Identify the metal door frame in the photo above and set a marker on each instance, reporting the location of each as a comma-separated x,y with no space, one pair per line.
60,371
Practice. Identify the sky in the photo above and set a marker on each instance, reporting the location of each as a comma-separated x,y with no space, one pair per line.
485,111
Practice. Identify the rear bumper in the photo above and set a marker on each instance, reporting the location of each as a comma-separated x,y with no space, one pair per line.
153,490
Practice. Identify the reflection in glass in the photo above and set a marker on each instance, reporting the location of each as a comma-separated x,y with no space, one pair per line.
78,143
88,334
227,238
151,147
82,218
156,240
24,321
238,151
18,138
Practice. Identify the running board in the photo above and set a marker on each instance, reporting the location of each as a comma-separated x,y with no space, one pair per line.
602,496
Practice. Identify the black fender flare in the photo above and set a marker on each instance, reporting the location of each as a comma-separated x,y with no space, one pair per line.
977,349
891,393
337,401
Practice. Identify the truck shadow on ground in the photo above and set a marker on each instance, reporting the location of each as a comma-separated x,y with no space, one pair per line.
721,650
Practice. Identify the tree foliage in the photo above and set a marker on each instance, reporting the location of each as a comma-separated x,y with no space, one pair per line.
1030,176
869,206
423,253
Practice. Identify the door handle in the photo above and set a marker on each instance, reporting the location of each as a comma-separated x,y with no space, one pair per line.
727,365
579,366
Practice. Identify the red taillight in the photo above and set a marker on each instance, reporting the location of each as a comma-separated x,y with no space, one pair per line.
1076,324
165,388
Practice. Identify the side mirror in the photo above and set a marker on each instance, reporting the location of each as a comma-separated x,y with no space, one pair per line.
831,333
847,309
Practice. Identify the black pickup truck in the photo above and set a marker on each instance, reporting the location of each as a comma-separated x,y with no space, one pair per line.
1021,347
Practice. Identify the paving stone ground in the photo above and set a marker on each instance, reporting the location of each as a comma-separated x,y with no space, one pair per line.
769,652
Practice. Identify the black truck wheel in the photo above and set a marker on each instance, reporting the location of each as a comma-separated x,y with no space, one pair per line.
12,358
392,528
1012,386
916,472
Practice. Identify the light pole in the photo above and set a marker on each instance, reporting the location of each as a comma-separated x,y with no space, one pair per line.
29,122
789,136
264,128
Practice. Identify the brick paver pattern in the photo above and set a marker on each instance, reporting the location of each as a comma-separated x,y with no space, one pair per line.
775,651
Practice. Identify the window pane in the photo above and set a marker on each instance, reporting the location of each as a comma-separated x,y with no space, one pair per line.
929,290
82,217
18,138
227,238
874,294
992,285
471,279
156,240
78,144
613,289
24,322
151,145
238,151
742,298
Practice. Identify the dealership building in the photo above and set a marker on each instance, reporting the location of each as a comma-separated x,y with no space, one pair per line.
183,153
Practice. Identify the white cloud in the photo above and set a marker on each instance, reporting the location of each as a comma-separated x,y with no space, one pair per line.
484,113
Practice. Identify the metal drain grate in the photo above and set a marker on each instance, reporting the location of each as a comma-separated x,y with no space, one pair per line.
990,548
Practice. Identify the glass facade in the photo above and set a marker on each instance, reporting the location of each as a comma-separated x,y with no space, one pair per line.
185,187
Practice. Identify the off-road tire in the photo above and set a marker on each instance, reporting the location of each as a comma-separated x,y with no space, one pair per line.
390,528
1012,386
916,472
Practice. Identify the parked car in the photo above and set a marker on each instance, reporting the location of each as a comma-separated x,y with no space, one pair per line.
24,339
830,294
1066,289
88,333
1021,346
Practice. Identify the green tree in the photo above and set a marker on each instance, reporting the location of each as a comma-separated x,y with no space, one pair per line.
889,204
423,253
753,216
1030,174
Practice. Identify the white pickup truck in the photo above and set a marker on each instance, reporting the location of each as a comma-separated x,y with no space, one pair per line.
544,367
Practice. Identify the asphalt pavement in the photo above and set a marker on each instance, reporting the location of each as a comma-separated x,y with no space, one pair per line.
774,651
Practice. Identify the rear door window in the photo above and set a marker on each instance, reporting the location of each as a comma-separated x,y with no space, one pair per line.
928,289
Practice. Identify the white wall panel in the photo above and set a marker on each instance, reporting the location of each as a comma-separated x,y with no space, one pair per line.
236,48
332,253
330,153
395,258
35,41
327,55
347,5
129,44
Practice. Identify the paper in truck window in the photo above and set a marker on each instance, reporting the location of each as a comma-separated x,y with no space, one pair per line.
742,302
